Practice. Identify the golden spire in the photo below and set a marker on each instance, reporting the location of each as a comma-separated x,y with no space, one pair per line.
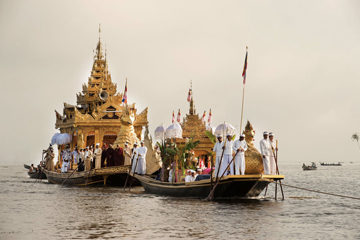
192,107
99,53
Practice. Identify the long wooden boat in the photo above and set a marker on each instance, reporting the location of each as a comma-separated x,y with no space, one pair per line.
114,176
230,187
330,164
37,175
27,166
309,167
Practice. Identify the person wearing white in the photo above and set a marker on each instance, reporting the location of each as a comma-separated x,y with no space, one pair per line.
87,159
66,157
188,176
76,155
265,152
134,157
97,153
141,166
218,150
228,151
239,148
272,154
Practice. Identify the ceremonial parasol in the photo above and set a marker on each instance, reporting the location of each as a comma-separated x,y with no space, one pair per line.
61,138
174,131
224,129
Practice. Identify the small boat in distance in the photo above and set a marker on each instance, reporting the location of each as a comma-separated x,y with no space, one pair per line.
309,167
36,173
330,164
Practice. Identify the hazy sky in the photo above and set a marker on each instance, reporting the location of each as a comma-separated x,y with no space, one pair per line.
303,69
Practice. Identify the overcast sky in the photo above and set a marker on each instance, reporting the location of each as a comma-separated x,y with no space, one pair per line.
303,76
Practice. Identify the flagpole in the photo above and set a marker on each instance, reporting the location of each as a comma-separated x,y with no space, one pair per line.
243,93
242,108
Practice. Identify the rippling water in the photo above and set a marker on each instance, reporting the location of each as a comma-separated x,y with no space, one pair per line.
30,209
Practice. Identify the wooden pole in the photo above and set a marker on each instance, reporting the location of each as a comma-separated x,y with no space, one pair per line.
137,160
211,194
242,108
277,171
127,177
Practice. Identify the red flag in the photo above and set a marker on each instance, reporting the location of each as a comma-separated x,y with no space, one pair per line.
173,117
203,117
124,100
209,118
189,95
245,66
179,116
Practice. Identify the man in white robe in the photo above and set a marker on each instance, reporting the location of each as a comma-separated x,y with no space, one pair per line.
76,156
141,166
272,154
218,149
134,157
97,153
240,147
66,157
265,152
87,159
228,152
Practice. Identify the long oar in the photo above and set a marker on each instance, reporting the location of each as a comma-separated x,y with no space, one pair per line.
69,175
137,160
221,158
211,194
277,170
127,177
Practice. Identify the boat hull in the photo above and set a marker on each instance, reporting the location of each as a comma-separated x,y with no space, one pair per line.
230,187
37,175
113,176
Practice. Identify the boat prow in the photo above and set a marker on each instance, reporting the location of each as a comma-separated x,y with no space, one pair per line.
115,175
229,187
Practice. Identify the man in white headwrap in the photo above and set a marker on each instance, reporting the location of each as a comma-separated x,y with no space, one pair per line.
265,152
228,152
272,154
87,161
240,147
66,157
97,153
134,157
141,166
218,150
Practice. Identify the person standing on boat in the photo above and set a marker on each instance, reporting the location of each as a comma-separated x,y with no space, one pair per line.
87,159
76,156
272,154
97,156
265,152
141,166
240,147
228,152
218,149
134,157
66,157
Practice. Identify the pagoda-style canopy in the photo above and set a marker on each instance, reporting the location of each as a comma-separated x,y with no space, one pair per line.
194,127
100,116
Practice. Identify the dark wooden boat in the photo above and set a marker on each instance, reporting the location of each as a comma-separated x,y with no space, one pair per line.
27,166
330,164
113,176
230,187
309,167
37,175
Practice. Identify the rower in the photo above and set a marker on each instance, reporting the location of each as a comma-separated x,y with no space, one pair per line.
141,166
228,151
134,156
273,150
240,147
265,152
218,150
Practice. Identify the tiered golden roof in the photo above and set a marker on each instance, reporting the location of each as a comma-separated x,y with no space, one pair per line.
100,116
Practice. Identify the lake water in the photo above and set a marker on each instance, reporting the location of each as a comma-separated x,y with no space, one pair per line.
30,209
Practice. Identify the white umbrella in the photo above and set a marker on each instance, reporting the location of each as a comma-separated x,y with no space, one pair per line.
160,132
174,131
53,139
224,129
61,138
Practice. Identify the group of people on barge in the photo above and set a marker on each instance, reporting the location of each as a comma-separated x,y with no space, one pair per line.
226,150
91,157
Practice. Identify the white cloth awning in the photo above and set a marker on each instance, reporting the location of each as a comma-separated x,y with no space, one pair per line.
174,131
61,138
224,129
